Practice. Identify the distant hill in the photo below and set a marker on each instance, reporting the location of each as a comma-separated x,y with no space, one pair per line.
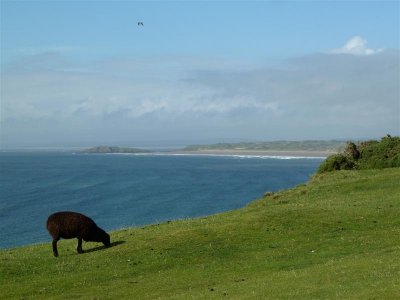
311,145
108,149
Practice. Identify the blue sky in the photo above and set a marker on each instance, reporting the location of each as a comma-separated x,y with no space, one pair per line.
245,30
85,72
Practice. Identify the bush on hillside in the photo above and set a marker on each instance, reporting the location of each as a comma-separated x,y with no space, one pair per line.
365,155
336,162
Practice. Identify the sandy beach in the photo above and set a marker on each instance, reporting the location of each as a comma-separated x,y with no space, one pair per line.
258,153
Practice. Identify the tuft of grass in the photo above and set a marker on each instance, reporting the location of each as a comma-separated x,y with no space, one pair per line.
335,237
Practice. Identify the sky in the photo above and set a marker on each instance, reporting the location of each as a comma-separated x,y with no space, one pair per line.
84,73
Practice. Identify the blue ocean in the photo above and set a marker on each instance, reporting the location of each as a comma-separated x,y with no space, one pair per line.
120,191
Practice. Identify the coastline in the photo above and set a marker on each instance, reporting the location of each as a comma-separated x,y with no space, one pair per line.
209,152
270,153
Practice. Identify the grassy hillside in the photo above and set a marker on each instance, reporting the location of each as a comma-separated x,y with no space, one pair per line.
336,237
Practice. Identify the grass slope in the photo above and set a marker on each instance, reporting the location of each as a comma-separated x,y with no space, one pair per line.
337,236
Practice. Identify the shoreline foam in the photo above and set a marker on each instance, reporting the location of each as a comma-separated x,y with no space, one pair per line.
258,153
238,154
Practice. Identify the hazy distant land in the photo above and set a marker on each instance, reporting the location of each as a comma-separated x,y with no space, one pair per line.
108,149
311,145
276,148
297,153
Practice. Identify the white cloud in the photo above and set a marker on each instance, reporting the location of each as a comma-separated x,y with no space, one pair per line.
356,46
317,96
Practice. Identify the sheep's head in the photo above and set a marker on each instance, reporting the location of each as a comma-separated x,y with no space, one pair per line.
103,237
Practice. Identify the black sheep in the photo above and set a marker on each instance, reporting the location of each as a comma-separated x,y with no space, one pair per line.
68,225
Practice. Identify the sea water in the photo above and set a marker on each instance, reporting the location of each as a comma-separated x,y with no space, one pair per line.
119,191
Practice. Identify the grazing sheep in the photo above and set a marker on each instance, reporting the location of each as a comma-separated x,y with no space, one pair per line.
68,225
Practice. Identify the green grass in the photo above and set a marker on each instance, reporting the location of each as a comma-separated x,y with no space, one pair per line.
336,237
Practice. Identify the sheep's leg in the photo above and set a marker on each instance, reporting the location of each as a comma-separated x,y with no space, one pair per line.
79,248
55,251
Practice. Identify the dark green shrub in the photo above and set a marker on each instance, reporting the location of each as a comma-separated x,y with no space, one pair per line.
351,151
365,155
336,162
395,161
379,155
